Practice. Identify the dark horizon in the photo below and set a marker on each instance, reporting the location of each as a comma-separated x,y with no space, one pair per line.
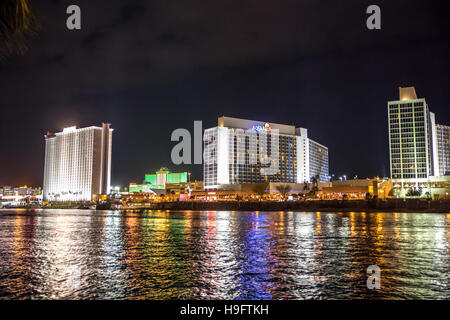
151,68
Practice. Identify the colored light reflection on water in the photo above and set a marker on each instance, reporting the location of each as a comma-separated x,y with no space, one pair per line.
82,254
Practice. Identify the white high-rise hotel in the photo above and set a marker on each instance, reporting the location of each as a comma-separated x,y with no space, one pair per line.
418,147
443,149
77,163
228,154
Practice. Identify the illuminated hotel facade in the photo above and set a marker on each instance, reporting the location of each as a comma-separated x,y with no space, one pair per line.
77,163
159,180
443,149
415,149
235,152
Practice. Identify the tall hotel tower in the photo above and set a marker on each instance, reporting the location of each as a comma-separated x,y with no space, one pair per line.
77,163
416,144
443,149
299,158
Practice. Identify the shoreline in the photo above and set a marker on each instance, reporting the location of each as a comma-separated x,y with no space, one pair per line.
321,210
416,206
390,205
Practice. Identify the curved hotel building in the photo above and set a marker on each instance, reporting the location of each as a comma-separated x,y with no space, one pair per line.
240,151
77,163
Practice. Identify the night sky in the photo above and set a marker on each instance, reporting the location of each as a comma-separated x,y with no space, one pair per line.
149,67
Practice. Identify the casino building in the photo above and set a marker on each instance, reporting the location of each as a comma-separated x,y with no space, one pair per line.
418,147
160,180
443,149
411,126
77,163
239,151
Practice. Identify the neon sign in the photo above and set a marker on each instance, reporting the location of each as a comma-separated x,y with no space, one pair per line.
259,128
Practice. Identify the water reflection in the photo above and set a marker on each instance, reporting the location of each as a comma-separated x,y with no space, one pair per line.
74,254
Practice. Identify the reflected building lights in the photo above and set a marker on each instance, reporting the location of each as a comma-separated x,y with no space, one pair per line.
69,254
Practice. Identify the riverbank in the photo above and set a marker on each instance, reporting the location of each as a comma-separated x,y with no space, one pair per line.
391,205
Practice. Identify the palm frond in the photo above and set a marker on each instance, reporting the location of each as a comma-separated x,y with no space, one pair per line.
17,24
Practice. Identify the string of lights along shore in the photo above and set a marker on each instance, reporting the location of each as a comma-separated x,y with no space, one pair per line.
78,161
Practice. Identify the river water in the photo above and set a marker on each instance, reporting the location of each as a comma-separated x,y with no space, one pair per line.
83,254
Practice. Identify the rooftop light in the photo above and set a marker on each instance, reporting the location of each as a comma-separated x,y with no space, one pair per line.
70,129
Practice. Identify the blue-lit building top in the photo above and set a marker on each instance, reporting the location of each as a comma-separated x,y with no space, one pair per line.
233,150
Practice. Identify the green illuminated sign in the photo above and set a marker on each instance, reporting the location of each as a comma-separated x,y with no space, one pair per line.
150,178
135,188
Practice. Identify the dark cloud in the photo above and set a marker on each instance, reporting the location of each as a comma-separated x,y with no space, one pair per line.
149,67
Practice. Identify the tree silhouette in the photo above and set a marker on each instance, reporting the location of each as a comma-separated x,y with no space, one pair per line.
17,23
283,189
315,185
260,189
305,186
413,192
